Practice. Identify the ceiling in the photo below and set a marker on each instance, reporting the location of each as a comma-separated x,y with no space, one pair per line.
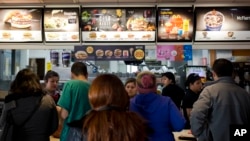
11,2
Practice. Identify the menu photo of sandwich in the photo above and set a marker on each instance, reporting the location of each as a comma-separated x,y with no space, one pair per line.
18,18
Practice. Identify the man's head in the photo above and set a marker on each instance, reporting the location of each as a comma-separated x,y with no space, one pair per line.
222,67
79,69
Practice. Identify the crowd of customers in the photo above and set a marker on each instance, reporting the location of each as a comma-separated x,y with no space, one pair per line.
108,109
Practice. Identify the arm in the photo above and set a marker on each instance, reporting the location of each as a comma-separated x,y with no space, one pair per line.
63,113
199,113
64,102
188,110
177,121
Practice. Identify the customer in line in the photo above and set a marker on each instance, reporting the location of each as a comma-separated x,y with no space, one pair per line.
221,104
109,119
51,80
193,89
33,115
130,86
74,100
160,111
171,89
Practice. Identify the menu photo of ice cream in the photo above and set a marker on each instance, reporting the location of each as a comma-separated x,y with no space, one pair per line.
222,24
21,25
175,24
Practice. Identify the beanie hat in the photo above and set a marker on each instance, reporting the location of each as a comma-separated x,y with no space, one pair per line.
146,82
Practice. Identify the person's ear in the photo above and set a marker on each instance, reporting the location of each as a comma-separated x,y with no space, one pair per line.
214,75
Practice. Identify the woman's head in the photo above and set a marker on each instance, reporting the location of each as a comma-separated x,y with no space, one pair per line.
194,83
130,86
51,80
26,82
146,82
108,90
168,78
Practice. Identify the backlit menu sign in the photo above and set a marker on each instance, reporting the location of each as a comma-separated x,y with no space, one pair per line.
118,24
222,24
21,25
175,24
121,52
174,52
61,24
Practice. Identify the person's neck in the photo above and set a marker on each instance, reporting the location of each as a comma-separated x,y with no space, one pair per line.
81,77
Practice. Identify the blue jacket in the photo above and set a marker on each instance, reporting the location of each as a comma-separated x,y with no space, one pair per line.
162,115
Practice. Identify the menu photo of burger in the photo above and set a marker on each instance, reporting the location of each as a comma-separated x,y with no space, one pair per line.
27,35
81,55
6,35
117,52
99,53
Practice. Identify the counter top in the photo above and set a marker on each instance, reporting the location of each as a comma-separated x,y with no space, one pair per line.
184,133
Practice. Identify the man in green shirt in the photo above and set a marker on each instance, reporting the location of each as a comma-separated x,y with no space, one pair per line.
74,100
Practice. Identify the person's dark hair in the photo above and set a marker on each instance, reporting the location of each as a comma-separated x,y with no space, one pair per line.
79,68
50,74
26,82
223,67
110,120
170,76
192,77
130,80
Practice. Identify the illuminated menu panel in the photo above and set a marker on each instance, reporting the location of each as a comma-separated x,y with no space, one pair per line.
118,24
61,24
21,25
175,24
222,24
121,52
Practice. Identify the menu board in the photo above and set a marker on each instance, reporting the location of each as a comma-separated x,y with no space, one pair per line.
61,24
175,24
222,24
121,52
118,24
174,52
21,25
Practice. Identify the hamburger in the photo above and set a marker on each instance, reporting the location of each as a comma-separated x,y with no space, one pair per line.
103,36
108,53
27,35
117,36
74,37
81,55
6,35
117,52
130,35
92,35
99,53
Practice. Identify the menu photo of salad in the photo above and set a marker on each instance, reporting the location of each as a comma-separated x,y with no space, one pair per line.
118,24
21,25
61,24
222,24
175,24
